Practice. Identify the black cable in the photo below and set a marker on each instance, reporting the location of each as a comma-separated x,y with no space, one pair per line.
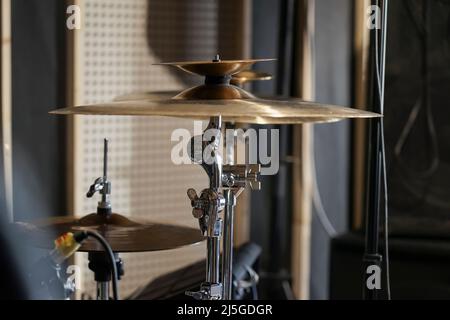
112,260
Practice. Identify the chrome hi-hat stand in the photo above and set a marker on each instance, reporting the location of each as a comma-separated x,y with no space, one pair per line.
226,184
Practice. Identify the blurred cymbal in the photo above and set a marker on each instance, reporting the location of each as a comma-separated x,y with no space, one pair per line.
248,76
214,68
248,110
123,234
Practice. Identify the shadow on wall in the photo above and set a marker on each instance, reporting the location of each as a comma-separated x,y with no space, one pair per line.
177,30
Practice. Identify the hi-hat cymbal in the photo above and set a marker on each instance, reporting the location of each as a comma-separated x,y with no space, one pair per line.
248,110
123,234
217,97
218,68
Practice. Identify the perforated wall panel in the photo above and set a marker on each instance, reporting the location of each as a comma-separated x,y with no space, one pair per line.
120,41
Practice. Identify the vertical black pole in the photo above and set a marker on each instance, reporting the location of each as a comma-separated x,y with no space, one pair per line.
372,256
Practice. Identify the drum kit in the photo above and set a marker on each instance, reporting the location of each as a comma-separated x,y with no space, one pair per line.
221,99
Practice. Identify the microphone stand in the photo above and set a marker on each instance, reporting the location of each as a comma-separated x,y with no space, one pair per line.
372,256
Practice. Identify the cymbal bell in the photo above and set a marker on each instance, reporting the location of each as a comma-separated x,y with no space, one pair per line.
214,68
251,110
237,80
123,234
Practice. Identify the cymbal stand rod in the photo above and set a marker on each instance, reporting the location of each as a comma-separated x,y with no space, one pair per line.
107,189
102,186
228,230
212,260
207,206
214,235
228,235
103,290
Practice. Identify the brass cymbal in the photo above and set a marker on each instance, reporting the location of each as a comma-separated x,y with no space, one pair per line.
249,110
217,97
219,68
123,234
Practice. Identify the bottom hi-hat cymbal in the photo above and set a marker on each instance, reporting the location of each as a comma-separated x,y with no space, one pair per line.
237,79
123,234
216,67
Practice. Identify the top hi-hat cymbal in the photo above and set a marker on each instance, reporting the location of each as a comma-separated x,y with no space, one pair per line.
217,97
123,234
214,68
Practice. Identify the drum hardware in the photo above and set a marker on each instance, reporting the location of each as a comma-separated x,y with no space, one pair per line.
218,100
98,261
123,234
235,178
232,180
102,185
207,208
100,265
245,286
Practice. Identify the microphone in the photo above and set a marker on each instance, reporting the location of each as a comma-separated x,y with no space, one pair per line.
46,272
66,245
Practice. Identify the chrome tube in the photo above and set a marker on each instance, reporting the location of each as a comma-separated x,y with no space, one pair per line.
227,267
103,290
213,261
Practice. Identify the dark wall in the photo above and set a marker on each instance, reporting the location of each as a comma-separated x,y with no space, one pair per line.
38,50
266,17
417,117
419,268
333,85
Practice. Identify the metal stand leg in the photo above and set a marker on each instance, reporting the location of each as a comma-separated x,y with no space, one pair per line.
230,203
100,265
213,260
103,290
